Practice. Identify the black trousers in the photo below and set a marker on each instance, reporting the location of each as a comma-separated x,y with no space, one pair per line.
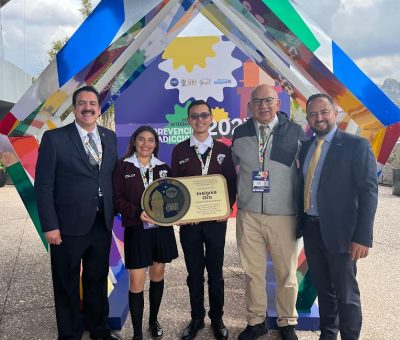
334,276
93,251
203,246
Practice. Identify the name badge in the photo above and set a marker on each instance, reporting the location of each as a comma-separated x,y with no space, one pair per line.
147,225
261,181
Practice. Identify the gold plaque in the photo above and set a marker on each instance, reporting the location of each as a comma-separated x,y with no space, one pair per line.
190,199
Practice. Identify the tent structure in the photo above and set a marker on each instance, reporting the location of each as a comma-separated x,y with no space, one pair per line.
121,39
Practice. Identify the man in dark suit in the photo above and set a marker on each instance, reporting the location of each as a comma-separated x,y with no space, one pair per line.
73,189
337,204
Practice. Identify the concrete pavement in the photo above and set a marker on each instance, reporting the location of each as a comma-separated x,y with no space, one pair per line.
26,298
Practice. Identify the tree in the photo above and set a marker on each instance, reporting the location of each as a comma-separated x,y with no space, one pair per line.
56,46
86,8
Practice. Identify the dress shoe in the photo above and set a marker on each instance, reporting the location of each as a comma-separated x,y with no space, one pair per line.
156,330
220,331
111,336
325,335
254,332
288,333
192,328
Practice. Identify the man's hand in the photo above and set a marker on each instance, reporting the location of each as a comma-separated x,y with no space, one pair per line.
358,251
53,237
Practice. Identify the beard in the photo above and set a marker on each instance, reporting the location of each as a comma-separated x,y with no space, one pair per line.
322,132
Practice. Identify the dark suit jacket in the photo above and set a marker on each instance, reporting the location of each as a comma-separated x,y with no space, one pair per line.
347,193
66,185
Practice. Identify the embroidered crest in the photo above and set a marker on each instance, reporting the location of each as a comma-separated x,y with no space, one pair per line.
220,158
129,176
184,161
163,173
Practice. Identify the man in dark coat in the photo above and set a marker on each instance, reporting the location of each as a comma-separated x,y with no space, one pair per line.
338,195
73,189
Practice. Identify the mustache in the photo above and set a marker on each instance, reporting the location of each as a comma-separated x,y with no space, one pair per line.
87,111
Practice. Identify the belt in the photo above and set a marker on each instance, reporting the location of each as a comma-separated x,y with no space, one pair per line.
312,219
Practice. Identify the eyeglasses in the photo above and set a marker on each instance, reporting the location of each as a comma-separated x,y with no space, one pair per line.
202,115
259,101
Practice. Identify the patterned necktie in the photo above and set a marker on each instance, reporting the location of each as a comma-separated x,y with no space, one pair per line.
92,157
264,131
310,173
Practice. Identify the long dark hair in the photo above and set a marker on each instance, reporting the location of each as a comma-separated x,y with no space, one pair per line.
131,146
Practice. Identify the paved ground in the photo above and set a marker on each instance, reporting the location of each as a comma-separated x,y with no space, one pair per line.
26,300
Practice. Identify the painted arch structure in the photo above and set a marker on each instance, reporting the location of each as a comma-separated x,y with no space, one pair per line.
274,35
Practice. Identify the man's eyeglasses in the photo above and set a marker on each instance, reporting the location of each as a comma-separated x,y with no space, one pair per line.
259,101
202,115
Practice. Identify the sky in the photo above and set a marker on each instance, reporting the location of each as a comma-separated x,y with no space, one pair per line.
367,30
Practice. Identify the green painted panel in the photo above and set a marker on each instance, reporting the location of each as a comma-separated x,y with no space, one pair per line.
284,10
25,190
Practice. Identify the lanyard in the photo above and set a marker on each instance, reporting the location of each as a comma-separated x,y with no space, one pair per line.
144,179
261,151
204,167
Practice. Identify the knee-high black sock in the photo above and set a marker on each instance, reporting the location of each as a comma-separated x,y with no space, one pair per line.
136,305
155,296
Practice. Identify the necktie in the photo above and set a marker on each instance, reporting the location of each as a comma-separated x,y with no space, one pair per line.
310,173
264,131
93,152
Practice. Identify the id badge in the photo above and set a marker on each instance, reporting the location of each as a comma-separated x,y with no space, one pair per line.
260,181
147,225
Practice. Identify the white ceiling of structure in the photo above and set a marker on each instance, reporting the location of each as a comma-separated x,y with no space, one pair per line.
3,2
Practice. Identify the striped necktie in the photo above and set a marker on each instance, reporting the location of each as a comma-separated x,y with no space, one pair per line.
92,157
310,173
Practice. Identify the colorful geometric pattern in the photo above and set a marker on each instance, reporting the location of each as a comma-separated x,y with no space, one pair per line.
276,36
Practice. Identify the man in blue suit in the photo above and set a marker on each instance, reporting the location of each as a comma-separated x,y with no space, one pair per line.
73,189
337,203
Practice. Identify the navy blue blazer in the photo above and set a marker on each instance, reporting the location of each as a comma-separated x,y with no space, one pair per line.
66,185
347,194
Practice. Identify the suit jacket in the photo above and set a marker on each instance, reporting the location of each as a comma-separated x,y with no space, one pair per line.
347,194
66,184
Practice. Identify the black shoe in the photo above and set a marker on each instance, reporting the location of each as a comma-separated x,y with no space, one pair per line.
288,333
111,336
192,328
220,331
325,335
254,332
156,330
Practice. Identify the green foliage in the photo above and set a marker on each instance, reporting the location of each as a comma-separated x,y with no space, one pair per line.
86,8
56,46
1,165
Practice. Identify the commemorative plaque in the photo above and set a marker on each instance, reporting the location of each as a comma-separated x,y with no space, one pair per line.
169,201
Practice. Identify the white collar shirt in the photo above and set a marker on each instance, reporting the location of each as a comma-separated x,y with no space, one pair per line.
202,146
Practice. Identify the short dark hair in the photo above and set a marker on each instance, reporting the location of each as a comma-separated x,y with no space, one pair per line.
197,103
131,146
320,95
87,88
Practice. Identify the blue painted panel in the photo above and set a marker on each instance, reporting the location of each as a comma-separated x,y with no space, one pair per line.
363,88
91,38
